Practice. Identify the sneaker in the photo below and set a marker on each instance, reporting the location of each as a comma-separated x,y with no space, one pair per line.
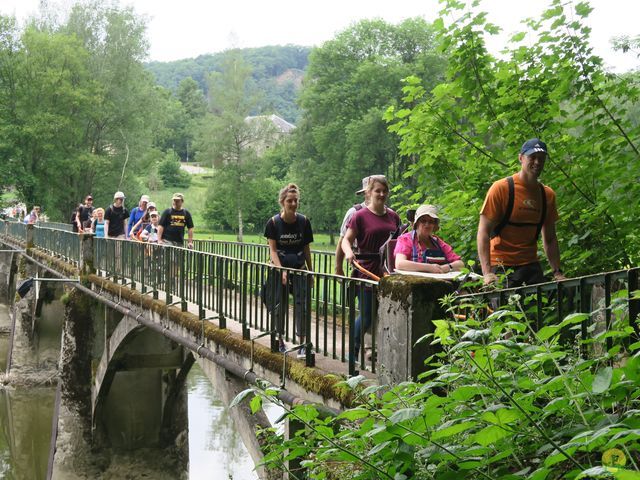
302,353
281,346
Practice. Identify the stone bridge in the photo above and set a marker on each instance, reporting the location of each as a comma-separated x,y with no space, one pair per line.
137,318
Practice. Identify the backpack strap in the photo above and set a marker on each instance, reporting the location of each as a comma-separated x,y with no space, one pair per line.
507,214
277,222
543,217
506,219
301,220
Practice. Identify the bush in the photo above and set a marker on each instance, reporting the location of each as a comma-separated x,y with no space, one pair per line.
502,401
171,174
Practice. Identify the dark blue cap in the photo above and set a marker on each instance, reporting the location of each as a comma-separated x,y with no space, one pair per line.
532,146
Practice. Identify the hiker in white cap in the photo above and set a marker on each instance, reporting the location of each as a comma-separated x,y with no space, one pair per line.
421,251
136,214
115,218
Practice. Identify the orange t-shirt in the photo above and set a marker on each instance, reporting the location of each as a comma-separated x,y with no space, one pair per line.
517,245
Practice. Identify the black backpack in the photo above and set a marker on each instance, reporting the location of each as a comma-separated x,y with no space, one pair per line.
507,214
72,219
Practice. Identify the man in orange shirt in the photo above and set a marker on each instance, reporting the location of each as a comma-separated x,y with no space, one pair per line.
516,210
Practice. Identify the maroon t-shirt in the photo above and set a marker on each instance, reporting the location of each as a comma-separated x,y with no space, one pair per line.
371,232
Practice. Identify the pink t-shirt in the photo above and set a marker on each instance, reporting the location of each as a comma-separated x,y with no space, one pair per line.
405,244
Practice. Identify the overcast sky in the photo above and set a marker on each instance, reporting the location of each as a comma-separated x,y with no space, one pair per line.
188,28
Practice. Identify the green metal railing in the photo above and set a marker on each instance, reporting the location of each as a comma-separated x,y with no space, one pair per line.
322,261
233,288
550,303
15,229
59,243
67,227
320,305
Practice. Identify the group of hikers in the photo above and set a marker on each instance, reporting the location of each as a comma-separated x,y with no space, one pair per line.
516,211
143,223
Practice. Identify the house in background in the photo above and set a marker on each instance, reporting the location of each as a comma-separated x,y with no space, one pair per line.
270,129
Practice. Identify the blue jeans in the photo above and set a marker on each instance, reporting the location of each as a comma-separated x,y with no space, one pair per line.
365,302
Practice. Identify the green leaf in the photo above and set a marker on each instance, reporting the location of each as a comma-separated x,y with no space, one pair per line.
405,414
353,382
490,435
452,430
547,332
602,380
574,318
354,414
240,397
256,403
583,9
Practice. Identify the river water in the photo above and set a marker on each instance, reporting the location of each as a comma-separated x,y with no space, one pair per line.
26,413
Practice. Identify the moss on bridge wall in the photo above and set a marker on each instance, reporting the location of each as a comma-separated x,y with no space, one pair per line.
310,379
313,380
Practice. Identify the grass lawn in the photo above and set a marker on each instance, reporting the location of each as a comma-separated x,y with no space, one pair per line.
195,198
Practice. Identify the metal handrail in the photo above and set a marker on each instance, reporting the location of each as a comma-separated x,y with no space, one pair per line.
322,305
550,302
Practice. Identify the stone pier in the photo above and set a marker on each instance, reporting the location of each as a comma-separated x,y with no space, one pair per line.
407,305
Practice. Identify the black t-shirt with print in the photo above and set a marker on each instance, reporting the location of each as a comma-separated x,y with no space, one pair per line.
116,217
174,222
291,238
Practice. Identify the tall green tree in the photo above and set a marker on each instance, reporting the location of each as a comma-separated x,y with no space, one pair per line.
79,110
231,140
466,132
350,82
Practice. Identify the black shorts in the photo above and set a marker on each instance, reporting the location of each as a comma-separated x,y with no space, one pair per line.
529,274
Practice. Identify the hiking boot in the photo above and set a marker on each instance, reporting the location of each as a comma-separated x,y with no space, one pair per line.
302,353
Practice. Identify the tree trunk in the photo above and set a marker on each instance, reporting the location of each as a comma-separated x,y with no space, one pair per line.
240,225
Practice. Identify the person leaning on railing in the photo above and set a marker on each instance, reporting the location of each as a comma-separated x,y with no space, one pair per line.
290,236
515,211
371,227
421,251
339,257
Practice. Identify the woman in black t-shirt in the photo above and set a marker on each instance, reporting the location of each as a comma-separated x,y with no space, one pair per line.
289,234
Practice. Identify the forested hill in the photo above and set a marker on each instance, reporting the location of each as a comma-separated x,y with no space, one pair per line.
276,70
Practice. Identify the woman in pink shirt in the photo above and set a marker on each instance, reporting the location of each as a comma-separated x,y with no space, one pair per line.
421,251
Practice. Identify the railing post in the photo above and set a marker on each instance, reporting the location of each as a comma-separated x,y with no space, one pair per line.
351,304
86,255
634,304
310,355
246,334
183,280
168,274
29,231
407,306
200,283
222,321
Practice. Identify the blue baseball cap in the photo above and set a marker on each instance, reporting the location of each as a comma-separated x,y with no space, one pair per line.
532,146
